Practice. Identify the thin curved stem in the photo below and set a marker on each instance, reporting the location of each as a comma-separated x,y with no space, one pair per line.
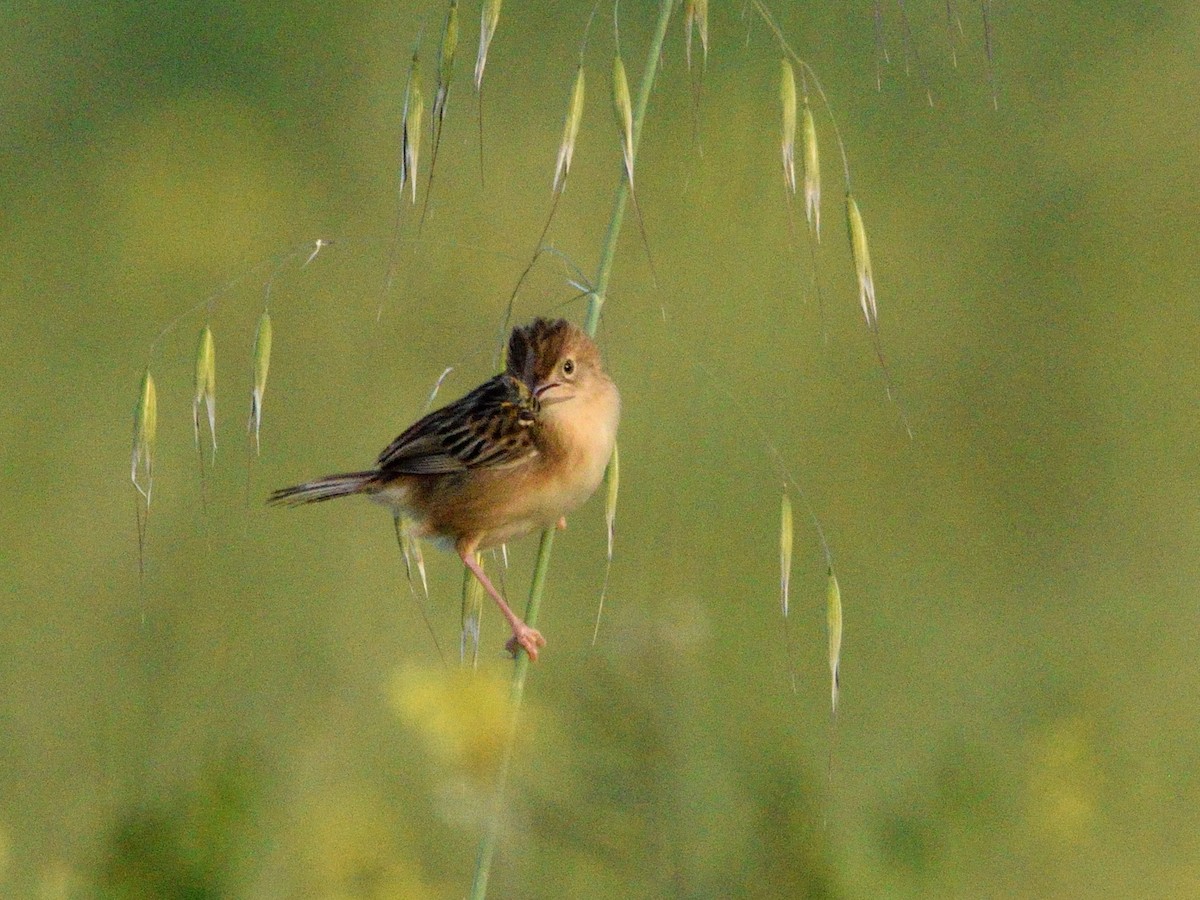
596,298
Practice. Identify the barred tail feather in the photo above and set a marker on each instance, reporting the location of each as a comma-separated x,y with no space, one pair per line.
322,489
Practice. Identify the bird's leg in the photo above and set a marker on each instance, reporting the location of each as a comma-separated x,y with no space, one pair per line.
561,525
529,639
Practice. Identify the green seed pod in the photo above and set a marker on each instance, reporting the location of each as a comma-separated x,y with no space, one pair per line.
414,116
566,149
489,20
833,619
613,485
262,365
862,263
812,170
696,20
787,97
623,108
786,543
145,433
446,60
205,386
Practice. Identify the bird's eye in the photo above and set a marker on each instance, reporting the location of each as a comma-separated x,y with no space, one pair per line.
568,367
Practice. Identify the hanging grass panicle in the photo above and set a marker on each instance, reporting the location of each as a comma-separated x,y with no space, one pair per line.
262,365
410,549
862,263
472,614
786,544
787,98
445,73
623,109
145,434
812,169
410,128
205,387
696,22
612,486
566,149
489,20
833,620
441,93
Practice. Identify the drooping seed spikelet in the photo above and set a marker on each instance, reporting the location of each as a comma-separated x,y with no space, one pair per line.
696,20
566,149
623,108
787,97
862,263
262,365
786,543
472,613
489,19
410,547
445,70
418,557
613,485
410,129
145,433
833,620
812,170
205,387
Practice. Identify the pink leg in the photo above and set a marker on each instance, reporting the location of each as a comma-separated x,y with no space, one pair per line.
528,639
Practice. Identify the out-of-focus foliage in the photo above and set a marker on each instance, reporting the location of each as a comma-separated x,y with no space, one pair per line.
267,715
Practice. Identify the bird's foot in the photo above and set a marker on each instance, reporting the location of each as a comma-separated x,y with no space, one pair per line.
528,639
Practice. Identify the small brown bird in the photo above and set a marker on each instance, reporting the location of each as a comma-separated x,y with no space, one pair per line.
515,455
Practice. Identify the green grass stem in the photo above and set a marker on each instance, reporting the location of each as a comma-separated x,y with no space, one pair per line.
487,845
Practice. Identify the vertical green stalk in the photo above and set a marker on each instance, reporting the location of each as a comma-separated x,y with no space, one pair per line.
487,845
609,249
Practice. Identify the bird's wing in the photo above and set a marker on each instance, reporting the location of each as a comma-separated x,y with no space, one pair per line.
490,428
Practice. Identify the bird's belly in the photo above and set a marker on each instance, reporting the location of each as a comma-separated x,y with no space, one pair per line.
538,503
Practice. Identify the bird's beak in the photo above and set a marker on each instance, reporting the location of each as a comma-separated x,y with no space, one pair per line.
543,389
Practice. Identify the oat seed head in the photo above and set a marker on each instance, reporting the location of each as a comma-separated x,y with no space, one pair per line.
862,263
833,620
786,544
205,387
489,19
414,114
566,149
446,60
696,21
145,433
612,486
472,614
812,170
623,108
262,366
787,97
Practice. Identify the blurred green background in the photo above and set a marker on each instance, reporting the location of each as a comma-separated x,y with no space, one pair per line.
268,716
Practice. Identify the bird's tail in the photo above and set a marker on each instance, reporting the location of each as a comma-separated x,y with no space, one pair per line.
322,489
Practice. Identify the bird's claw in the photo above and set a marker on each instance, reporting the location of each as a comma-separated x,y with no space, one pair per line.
525,638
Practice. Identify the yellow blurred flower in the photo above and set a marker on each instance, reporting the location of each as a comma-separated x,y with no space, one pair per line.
462,716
